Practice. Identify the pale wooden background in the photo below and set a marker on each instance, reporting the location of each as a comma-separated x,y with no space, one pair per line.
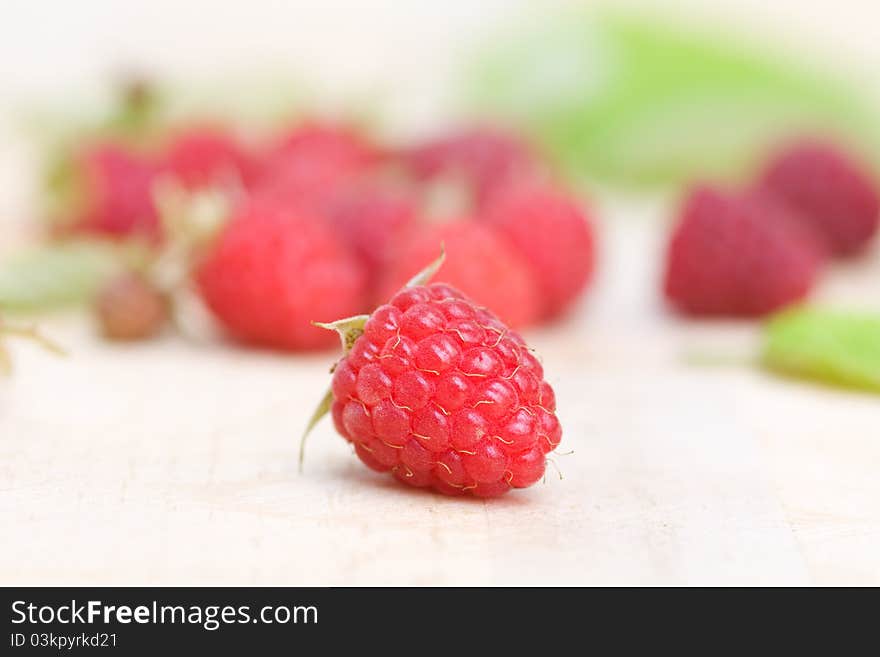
174,462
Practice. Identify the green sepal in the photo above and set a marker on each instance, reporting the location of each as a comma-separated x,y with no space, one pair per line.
349,329
428,272
318,414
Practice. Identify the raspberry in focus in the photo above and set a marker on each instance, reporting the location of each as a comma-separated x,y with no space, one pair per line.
439,393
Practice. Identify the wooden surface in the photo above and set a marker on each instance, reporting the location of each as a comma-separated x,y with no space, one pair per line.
175,463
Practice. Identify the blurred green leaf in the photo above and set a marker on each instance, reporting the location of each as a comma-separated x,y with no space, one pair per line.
837,348
48,277
634,100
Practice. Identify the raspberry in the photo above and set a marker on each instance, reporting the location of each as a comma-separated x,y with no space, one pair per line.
116,189
372,221
129,307
484,157
273,271
554,237
204,156
341,144
440,393
306,166
738,255
829,191
479,263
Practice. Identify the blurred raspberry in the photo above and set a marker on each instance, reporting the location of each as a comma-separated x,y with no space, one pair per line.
484,157
273,271
342,144
738,256
373,221
553,235
478,262
204,156
114,192
305,166
829,190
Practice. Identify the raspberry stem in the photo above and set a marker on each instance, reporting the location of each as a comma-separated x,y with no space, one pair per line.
28,333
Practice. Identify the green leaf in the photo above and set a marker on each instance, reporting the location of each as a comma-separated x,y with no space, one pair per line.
833,347
48,277
636,101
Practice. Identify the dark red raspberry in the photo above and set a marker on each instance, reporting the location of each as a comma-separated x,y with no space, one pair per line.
478,262
737,255
273,271
203,156
486,158
555,238
440,393
829,190
115,192
373,221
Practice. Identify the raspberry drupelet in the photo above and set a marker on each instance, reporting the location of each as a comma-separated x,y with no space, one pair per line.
441,394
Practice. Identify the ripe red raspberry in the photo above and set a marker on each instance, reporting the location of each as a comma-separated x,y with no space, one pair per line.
485,157
373,221
204,156
307,165
115,189
342,144
829,191
440,393
553,235
732,255
272,272
478,262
